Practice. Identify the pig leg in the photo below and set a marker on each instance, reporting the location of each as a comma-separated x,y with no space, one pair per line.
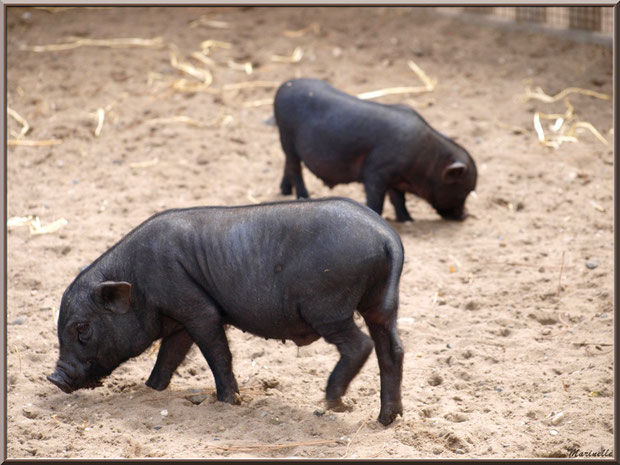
210,337
390,355
375,193
172,351
292,171
398,200
354,347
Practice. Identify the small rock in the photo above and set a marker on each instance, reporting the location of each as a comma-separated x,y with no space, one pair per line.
553,432
603,315
197,398
471,305
319,412
499,388
156,428
30,412
20,320
270,383
557,418
460,451
591,264
449,346
164,413
332,417
221,428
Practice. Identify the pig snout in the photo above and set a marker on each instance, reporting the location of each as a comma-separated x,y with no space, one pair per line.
455,214
60,380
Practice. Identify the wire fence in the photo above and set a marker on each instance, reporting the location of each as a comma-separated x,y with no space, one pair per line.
595,19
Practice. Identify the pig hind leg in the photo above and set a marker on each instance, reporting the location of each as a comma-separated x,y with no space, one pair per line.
292,170
172,351
354,347
390,355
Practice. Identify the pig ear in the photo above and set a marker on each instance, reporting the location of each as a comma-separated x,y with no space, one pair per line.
454,172
114,295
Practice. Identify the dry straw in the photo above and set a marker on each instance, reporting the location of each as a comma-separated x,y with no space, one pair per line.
77,42
429,85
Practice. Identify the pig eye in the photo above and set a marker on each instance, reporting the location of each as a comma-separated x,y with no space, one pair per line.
83,330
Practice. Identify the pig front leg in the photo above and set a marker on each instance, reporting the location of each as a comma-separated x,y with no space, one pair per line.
208,333
397,198
292,170
172,351
375,193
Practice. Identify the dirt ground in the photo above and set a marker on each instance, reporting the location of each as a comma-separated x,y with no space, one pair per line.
506,318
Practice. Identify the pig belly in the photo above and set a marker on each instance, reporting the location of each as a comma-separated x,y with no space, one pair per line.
336,172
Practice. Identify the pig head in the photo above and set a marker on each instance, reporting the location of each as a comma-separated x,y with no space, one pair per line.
97,331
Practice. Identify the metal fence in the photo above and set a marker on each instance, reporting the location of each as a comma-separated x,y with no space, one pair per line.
595,19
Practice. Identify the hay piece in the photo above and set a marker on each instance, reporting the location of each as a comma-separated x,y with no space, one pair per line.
156,42
314,27
100,118
346,452
429,85
207,45
36,228
428,82
203,75
247,66
183,85
17,221
538,94
296,57
34,143
144,164
391,91
586,125
201,57
205,21
257,103
21,120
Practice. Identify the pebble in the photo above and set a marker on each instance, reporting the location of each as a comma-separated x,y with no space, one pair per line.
557,418
157,428
553,432
449,346
197,398
332,417
603,315
20,320
499,388
591,264
319,412
460,451
164,413
30,412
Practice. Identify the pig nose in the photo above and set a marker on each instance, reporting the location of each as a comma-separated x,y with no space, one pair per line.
58,380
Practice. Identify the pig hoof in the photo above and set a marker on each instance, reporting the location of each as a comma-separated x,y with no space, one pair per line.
233,399
337,405
388,415
157,385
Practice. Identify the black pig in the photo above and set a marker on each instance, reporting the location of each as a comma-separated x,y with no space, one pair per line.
389,148
287,270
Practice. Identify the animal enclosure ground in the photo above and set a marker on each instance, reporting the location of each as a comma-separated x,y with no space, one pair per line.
507,332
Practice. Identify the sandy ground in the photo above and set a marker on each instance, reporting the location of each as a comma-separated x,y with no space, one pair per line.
503,324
